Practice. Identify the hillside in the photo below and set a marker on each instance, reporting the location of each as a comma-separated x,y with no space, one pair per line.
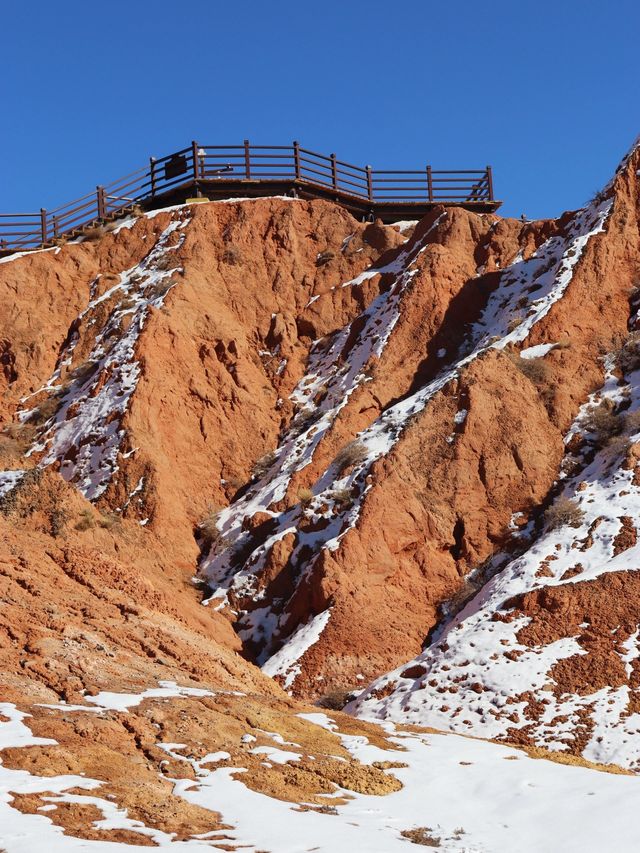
257,455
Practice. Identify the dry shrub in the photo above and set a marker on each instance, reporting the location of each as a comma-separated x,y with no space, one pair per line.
632,421
94,232
109,520
208,529
324,258
603,422
137,210
565,512
563,343
514,322
335,700
86,520
341,496
535,369
305,496
263,464
164,262
60,241
232,256
351,454
619,444
421,835
628,356
45,410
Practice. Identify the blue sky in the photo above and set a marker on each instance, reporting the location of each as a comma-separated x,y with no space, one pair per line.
547,92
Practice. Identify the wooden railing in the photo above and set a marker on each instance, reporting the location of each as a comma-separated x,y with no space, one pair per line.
216,165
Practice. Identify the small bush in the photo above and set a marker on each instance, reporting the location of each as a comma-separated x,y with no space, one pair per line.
628,356
565,512
208,529
619,444
305,496
137,210
336,699
324,258
263,464
232,256
421,835
94,232
351,454
514,322
164,262
632,421
341,496
604,422
535,369
86,520
45,410
109,521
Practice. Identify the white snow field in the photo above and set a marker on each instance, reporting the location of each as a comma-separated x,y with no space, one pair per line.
466,794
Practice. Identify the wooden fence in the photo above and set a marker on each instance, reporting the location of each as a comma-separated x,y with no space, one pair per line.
221,167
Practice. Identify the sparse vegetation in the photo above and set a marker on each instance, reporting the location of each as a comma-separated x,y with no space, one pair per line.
305,496
86,521
336,699
94,232
263,464
341,496
514,322
421,835
324,258
109,520
351,454
45,410
232,256
565,512
535,369
208,529
604,423
628,356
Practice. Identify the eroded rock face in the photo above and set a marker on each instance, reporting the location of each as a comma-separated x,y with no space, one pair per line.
546,651
368,425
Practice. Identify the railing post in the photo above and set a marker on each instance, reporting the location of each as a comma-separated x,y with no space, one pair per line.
490,182
247,159
43,224
56,230
430,183
194,157
102,206
152,173
296,159
334,172
369,183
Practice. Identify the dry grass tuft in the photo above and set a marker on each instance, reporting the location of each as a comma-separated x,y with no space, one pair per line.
565,512
305,496
351,454
628,356
604,423
535,369
324,258
335,700
208,529
514,322
94,232
341,496
421,835
86,520
263,464
232,256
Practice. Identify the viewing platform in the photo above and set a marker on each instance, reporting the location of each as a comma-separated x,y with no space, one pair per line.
250,171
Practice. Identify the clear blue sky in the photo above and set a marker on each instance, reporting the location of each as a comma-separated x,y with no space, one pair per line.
547,92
